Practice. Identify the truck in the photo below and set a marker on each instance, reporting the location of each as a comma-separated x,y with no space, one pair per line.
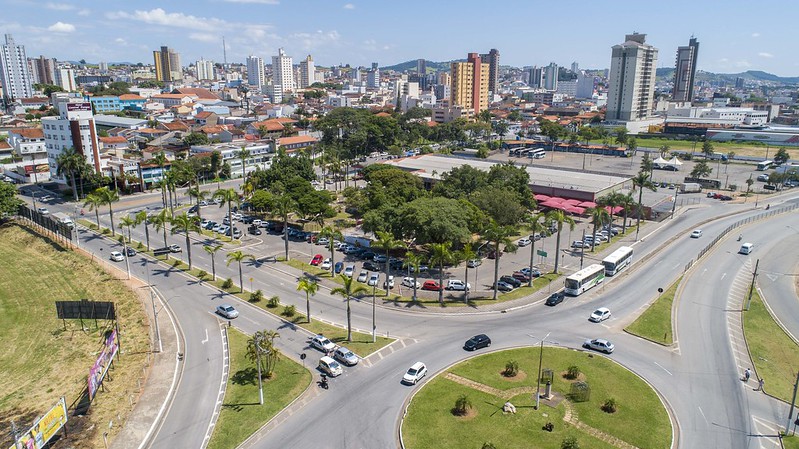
690,187
353,240
64,219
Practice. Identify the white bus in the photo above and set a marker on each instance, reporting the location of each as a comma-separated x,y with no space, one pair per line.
765,165
538,153
584,279
617,260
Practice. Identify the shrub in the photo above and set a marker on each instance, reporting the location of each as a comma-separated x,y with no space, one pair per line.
106,231
289,311
176,262
256,296
462,405
733,187
202,275
570,443
609,406
573,372
273,302
511,368
488,445
121,238
228,283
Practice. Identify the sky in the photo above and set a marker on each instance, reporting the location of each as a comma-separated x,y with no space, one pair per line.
734,35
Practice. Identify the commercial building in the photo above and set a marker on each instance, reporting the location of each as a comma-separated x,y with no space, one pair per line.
14,72
256,76
632,79
685,70
307,72
283,72
73,127
536,77
421,66
205,70
470,83
492,58
167,65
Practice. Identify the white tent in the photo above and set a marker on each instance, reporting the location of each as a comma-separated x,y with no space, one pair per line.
674,161
660,161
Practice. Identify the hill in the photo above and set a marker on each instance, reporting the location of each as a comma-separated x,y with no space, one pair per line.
432,66
667,73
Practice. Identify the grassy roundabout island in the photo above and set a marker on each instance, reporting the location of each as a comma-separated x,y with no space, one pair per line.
463,406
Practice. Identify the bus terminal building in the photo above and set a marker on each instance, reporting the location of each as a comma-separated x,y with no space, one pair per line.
564,183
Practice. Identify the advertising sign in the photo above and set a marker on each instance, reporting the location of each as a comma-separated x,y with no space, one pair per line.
79,107
45,427
100,367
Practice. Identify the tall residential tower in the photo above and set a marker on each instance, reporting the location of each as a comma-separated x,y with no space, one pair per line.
492,58
283,72
256,76
307,72
685,71
470,83
14,72
632,79
167,65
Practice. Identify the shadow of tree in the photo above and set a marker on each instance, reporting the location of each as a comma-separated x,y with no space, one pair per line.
247,376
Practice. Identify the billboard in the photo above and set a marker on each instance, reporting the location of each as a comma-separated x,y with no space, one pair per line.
79,107
44,428
91,310
103,362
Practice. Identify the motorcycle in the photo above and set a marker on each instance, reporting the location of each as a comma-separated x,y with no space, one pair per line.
323,382
740,237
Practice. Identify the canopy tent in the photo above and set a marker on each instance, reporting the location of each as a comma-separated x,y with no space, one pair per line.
573,202
674,161
660,161
575,210
590,204
615,210
541,197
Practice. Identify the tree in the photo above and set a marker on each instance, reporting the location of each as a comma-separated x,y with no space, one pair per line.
559,217
626,202
599,217
707,149
462,405
48,89
412,261
701,169
69,163
499,235
93,202
440,255
212,249
228,196
620,133
632,145
9,203
332,234
261,350
347,291
310,287
646,163
108,197
282,206
536,223
501,204
238,257
160,160
186,225
127,222
160,221
466,254
199,195
781,156
142,217
244,154
386,242
641,181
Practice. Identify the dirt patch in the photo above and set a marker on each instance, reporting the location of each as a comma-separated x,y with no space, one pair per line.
470,414
520,376
580,377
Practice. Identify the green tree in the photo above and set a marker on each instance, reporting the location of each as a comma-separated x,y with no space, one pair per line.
212,250
69,162
499,235
781,156
707,149
310,287
9,203
228,196
701,170
386,242
199,195
440,255
244,154
620,133
141,217
238,257
536,224
283,206
93,202
664,151
413,261
641,181
501,204
186,225
465,255
108,197
632,145
48,89
261,350
127,222
627,203
646,163
559,217
348,289
160,221
332,234
599,217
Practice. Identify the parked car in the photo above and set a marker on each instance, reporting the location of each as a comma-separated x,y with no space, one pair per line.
368,255
457,284
210,225
326,264
339,266
415,373
345,356
600,314
523,242
371,266
175,248
363,276
43,210
532,273
579,244
696,233
474,263
317,259
477,342
254,230
130,251
422,269
322,343
763,177
521,276
116,256
504,286
410,283
330,367
395,263
373,278
227,311
349,271
204,223
380,258
322,241
389,282
431,285
493,254
599,344
511,280
555,299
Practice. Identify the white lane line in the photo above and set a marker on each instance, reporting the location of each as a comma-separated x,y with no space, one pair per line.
723,275
703,415
206,337
664,369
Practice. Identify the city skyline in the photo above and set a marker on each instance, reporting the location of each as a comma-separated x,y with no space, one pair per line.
351,32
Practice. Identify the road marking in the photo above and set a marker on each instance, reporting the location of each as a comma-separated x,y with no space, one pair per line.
664,369
772,277
723,275
206,337
703,415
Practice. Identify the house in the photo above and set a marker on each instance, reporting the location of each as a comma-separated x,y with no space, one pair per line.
5,149
290,144
113,143
35,102
266,128
105,103
204,118
217,132
177,125
169,100
132,101
198,92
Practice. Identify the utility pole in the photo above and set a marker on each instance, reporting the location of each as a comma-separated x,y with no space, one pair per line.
793,403
752,285
674,206
374,325
538,380
257,338
582,250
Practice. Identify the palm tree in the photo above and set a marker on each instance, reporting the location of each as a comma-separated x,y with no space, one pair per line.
244,154
599,217
348,289
610,202
412,261
499,235
142,217
185,224
440,254
199,195
283,206
70,162
559,217
228,196
536,223
641,181
161,160
626,202
93,202
160,221
310,287
127,222
238,256
332,234
108,197
465,254
387,242
212,250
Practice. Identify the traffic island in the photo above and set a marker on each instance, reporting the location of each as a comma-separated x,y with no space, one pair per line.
593,400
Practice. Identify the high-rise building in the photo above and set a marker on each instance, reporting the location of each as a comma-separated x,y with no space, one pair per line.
283,72
307,72
685,70
167,65
585,86
256,76
470,83
43,70
205,70
536,79
14,72
551,76
65,78
421,67
373,76
492,58
739,83
73,127
631,86
103,66
575,67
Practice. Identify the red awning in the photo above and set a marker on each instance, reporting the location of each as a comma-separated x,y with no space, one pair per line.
615,210
573,202
590,204
541,197
575,210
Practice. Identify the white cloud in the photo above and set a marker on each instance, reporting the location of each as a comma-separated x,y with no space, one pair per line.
765,55
61,27
203,37
213,26
312,41
742,63
261,2
84,12
755,34
59,6
349,6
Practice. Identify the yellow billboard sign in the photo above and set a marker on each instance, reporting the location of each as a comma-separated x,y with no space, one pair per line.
44,428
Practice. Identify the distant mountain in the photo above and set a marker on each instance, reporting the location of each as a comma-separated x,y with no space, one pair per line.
411,65
667,73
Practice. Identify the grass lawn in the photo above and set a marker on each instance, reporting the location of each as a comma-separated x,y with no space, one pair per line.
46,360
655,323
740,149
775,355
790,442
640,419
241,413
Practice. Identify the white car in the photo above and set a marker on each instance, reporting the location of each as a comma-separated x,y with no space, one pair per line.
457,284
322,241
116,256
599,344
696,233
373,278
474,263
600,314
322,343
523,242
227,311
349,270
363,276
389,282
409,282
326,264
330,367
579,244
43,211
415,373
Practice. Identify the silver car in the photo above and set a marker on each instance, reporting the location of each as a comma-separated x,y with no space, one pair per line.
227,311
345,356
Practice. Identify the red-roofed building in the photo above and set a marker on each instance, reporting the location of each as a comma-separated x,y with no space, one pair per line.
169,100
113,143
296,142
203,118
199,92
266,128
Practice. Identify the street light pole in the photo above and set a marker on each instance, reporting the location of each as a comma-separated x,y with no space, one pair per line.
257,338
538,381
155,318
374,326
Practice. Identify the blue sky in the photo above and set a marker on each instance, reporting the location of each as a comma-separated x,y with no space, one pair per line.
734,35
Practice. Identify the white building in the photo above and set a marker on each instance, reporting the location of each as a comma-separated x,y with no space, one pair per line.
260,155
632,79
551,76
568,88
74,127
373,76
205,70
283,72
307,72
65,78
718,115
585,86
255,72
14,71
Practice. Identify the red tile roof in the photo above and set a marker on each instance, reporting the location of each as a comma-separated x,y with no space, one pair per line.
269,125
296,139
4,145
113,139
130,97
201,93
203,114
29,133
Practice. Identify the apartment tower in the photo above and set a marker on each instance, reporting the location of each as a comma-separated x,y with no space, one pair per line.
14,72
632,79
167,65
256,76
492,58
307,72
283,72
470,83
685,71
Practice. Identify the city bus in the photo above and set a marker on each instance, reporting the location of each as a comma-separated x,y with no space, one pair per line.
765,165
617,260
538,153
584,279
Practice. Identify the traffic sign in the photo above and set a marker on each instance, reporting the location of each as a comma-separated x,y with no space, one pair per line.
541,253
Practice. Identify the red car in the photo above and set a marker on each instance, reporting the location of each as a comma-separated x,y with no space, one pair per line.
431,285
521,276
317,259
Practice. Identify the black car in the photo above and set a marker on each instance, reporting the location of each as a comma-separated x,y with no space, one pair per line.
254,230
511,280
194,209
555,299
477,342
247,219
131,251
372,266
210,225
367,255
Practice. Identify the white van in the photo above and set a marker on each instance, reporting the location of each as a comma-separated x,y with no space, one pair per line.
746,248
330,366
